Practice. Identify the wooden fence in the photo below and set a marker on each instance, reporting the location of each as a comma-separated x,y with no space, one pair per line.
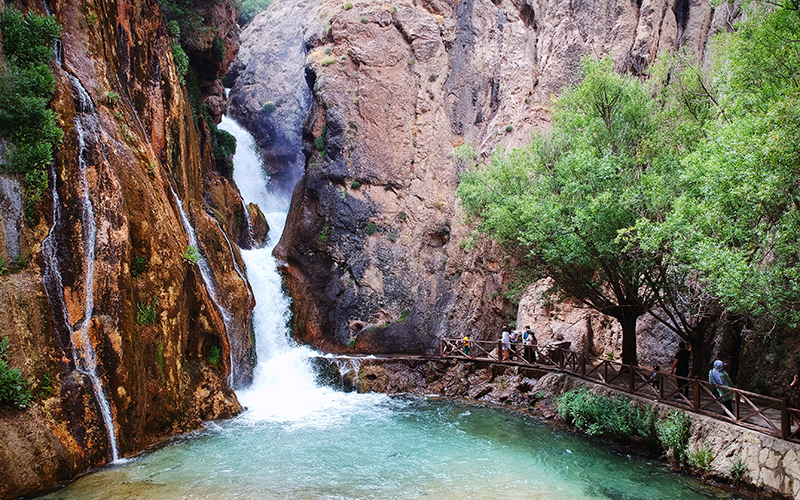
755,411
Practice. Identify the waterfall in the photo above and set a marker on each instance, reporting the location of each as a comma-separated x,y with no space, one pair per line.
83,354
284,383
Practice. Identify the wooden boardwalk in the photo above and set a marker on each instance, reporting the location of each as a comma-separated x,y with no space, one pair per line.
755,411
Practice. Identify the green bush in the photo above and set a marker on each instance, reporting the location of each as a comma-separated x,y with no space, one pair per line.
372,228
191,255
355,185
181,61
701,457
673,433
14,389
597,415
26,89
214,355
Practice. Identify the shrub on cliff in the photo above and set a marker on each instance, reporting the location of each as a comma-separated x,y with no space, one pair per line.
26,88
14,390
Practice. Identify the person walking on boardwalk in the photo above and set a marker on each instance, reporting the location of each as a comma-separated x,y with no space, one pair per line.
720,378
466,345
529,339
680,367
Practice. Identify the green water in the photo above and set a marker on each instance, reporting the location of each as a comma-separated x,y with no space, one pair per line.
376,447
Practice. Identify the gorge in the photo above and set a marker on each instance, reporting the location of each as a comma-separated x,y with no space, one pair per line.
147,304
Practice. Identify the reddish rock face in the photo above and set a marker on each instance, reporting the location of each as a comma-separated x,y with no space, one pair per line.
373,248
130,141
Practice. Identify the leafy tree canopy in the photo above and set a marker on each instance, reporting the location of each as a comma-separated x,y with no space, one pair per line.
738,219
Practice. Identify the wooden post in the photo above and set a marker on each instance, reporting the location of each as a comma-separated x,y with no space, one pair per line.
785,422
696,393
499,350
441,347
632,378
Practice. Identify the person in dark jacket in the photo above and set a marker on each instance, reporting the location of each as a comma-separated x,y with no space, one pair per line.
680,367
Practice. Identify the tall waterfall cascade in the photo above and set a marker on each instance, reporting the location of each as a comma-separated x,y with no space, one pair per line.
284,384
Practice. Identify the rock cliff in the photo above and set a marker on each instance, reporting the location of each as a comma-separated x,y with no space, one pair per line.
375,251
106,306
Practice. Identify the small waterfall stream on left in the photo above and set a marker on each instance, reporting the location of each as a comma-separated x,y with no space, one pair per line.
83,354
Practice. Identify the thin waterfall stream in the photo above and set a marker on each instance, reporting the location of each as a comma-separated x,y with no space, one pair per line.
299,440
83,354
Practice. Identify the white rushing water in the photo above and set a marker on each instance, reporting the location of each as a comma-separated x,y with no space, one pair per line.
284,385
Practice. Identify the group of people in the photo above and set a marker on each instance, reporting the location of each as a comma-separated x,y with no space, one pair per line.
512,336
680,367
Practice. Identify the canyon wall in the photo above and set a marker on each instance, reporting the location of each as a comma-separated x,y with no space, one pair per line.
375,253
106,306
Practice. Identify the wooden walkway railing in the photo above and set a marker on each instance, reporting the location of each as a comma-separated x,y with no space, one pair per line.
755,411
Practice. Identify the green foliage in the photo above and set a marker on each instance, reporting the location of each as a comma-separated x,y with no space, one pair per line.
323,235
364,20
14,389
738,467
224,148
218,49
214,354
347,5
250,8
740,211
147,314
355,185
173,28
191,255
509,128
403,316
402,216
138,266
702,457
371,228
673,433
268,106
181,60
112,98
319,142
598,415
26,88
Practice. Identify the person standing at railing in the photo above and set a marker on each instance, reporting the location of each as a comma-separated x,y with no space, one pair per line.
529,339
680,367
466,345
720,378
505,340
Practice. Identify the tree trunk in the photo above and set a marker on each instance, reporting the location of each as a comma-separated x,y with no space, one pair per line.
697,342
629,339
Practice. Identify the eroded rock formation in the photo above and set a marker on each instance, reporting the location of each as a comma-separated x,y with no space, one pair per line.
105,268
374,247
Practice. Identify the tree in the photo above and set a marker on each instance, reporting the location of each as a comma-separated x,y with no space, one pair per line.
571,196
738,217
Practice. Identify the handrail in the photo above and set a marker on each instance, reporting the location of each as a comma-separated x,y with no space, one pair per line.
747,409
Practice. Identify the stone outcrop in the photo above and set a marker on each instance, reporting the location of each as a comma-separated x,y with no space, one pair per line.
374,252
104,261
